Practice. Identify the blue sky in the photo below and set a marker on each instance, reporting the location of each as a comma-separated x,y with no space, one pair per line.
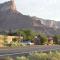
47,9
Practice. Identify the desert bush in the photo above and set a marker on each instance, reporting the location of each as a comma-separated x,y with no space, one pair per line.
8,58
16,44
22,58
39,56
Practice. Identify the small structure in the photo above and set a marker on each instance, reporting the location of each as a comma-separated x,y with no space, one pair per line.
37,40
8,39
50,40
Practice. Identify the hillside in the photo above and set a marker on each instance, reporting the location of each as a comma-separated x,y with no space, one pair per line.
10,18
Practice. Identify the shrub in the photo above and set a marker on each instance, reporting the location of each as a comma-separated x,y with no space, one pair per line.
22,58
39,56
8,58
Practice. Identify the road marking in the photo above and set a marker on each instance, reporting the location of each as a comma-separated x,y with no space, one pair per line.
13,54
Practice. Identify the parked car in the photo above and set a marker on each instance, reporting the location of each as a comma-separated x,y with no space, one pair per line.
27,42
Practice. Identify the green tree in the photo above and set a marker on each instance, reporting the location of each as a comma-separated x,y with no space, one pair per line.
27,34
43,38
55,39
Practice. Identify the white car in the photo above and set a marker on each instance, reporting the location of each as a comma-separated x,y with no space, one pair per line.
27,42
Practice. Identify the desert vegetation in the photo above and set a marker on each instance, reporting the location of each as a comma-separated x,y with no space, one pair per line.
27,35
38,56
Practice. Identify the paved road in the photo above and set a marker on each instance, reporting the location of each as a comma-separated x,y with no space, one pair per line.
27,49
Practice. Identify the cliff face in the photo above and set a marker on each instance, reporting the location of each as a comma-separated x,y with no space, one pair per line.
48,23
49,27
10,5
10,18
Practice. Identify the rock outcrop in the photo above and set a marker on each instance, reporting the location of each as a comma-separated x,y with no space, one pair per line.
10,5
10,18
